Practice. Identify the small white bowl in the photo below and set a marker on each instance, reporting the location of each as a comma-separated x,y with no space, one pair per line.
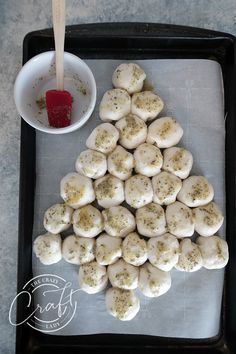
39,75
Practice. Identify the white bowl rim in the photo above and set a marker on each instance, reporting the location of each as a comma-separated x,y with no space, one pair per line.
85,116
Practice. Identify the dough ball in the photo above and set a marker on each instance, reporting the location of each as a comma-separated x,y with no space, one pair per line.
87,221
151,220
77,190
153,282
132,130
120,163
148,159
103,138
92,277
180,220
138,191
164,132
122,304
78,250
123,275
190,259
163,251
146,105
214,250
57,218
196,191
108,249
208,219
118,221
129,76
166,186
47,248
134,249
114,105
91,163
109,191
178,161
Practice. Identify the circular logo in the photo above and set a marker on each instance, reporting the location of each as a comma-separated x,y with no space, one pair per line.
48,301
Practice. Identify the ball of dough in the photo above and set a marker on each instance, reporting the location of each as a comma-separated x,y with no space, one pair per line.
92,277
134,249
109,191
146,105
180,220
78,250
122,304
148,159
103,138
47,248
166,186
114,105
108,249
57,218
118,221
138,191
91,163
163,251
164,132
214,250
120,163
87,221
196,191
132,130
153,282
123,275
178,161
190,258
129,76
151,220
208,219
77,190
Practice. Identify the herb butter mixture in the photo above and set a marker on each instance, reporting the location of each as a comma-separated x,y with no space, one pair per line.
132,208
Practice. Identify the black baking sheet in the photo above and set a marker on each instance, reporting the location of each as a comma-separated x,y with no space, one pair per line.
131,41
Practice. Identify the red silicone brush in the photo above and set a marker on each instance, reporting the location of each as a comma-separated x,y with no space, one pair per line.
59,101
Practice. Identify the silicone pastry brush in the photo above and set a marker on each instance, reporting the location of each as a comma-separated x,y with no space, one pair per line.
59,101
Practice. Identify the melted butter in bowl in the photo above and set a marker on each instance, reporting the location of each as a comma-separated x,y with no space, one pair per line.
38,75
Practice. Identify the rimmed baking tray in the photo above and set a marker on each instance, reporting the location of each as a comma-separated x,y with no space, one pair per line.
132,41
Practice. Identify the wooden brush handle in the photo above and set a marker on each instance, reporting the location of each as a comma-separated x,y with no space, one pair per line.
58,15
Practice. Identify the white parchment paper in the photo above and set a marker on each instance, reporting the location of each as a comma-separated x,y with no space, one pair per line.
193,93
